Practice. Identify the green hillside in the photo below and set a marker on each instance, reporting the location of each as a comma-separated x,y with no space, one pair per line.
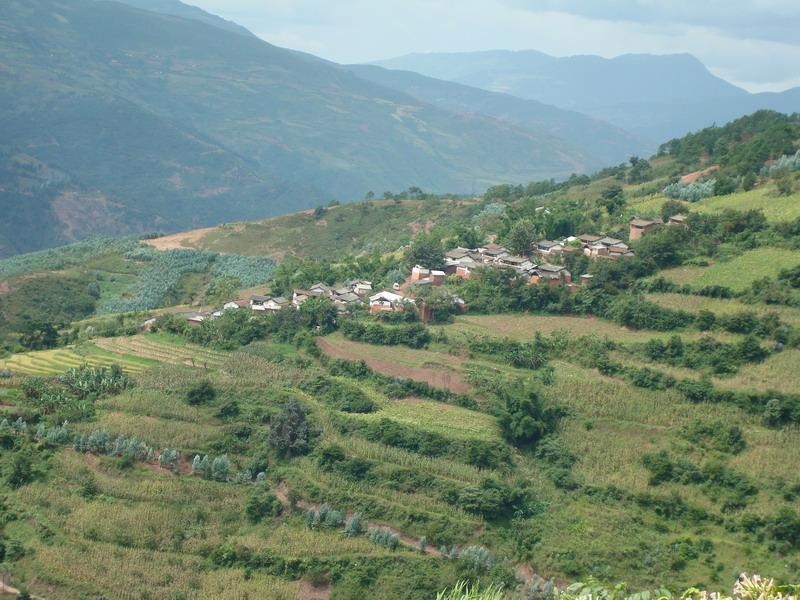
638,428
224,125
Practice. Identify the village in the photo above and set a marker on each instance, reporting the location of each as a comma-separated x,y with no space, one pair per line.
541,266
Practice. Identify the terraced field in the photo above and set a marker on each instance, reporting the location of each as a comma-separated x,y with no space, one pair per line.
737,273
157,349
53,362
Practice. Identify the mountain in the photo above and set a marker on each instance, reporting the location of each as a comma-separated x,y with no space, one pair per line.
117,119
187,11
657,97
593,135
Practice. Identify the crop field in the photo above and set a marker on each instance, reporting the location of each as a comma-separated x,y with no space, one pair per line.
446,419
163,349
774,207
739,272
523,327
54,362
724,306
779,372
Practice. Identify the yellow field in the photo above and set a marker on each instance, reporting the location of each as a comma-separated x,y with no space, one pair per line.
53,362
154,348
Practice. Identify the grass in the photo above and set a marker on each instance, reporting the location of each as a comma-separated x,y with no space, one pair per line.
739,272
779,372
380,226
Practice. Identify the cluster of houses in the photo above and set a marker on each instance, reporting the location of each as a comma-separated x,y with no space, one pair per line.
343,298
539,267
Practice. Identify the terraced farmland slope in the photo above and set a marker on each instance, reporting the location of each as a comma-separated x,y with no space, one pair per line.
54,362
158,349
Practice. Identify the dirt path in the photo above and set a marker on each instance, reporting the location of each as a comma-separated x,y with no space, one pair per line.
439,378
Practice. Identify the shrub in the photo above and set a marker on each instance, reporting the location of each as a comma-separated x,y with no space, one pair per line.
261,504
201,392
290,432
383,536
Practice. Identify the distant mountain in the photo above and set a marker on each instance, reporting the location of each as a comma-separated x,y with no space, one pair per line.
657,97
117,119
186,11
596,137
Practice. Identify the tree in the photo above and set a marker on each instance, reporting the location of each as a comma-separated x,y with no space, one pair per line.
612,199
319,312
290,432
425,250
38,335
220,468
201,392
671,208
785,185
521,237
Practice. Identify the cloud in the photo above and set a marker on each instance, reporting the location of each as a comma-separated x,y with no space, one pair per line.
751,43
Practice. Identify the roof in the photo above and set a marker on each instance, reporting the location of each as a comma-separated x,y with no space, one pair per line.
609,241
679,218
437,273
643,223
388,296
349,297
589,237
550,268
280,300
457,252
547,243
259,298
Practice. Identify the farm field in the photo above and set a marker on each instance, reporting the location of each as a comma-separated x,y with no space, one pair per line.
739,272
54,362
163,348
775,208
724,306
523,327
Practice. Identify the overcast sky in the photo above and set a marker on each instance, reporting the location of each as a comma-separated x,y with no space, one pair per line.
752,43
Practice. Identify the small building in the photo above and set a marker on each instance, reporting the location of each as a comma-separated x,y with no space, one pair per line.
231,305
550,274
437,277
588,238
586,279
641,227
548,247
386,301
360,287
678,220
268,303
419,273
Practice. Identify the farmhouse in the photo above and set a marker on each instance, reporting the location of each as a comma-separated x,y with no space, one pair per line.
550,274
231,305
360,286
546,247
387,301
268,303
677,220
641,227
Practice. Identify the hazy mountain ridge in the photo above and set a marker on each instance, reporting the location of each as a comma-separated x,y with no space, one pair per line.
176,123
654,96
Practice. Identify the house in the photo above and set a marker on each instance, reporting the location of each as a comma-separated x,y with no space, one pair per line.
586,279
360,287
320,289
641,227
268,303
588,239
492,251
300,295
419,273
595,250
386,301
677,220
194,319
230,305
437,276
548,247
550,274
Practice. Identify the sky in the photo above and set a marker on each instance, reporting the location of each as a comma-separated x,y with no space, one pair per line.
752,43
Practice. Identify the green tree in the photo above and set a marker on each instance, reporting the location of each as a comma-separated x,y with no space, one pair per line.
425,250
38,336
521,237
290,432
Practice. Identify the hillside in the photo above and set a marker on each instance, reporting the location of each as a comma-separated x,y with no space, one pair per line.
656,97
226,127
640,426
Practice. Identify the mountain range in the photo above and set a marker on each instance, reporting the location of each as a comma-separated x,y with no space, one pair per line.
654,97
120,119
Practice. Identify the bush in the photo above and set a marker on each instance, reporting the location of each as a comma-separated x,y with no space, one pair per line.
261,504
290,432
201,392
384,536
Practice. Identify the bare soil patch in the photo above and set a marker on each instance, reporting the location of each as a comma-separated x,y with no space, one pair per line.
439,378
312,591
183,239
